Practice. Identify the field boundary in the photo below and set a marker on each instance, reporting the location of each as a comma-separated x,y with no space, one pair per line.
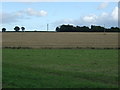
56,48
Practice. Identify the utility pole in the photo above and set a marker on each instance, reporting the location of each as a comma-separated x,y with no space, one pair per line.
104,29
47,27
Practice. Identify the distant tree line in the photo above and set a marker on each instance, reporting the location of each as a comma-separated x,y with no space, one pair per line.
71,28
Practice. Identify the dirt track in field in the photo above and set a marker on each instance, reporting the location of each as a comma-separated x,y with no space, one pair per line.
59,40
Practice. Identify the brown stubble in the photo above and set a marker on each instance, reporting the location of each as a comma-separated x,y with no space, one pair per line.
60,39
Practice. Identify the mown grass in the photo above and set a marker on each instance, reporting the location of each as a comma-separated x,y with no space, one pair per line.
60,68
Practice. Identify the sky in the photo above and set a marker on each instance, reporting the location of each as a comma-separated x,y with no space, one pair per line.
36,15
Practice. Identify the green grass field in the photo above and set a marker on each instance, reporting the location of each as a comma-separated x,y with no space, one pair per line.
60,68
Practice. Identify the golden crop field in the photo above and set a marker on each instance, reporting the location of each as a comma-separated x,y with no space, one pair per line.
60,39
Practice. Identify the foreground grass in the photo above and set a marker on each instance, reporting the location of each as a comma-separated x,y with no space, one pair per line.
60,68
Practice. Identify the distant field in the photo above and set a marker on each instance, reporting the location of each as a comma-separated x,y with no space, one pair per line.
60,39
60,68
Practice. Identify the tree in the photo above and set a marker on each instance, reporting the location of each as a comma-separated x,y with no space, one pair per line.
85,29
16,28
66,28
97,28
57,29
23,29
3,29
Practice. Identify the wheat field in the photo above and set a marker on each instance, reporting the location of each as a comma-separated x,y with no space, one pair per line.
60,39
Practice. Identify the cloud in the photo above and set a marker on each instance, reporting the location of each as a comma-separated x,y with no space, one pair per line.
109,19
64,21
12,17
90,18
104,14
32,12
103,5
9,17
115,13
